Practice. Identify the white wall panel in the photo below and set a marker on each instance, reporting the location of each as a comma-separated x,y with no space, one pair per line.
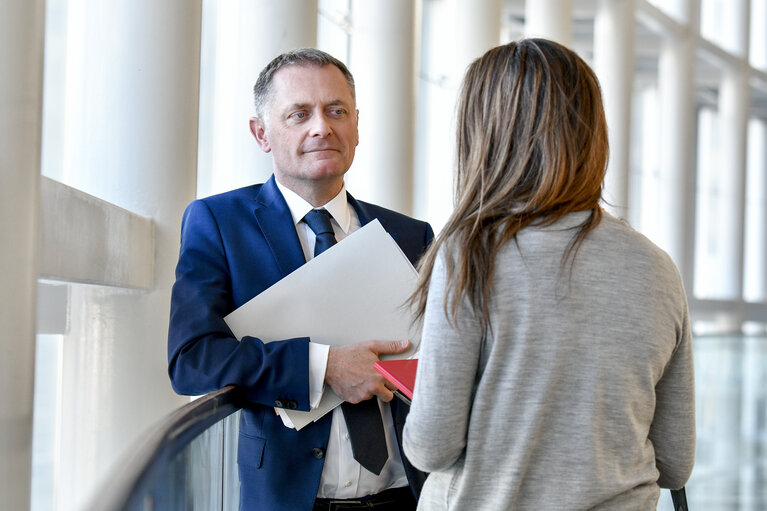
84,239
21,46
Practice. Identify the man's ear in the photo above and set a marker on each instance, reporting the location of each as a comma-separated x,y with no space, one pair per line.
258,128
357,128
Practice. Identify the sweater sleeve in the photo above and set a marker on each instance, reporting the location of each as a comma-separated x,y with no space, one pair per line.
672,431
434,437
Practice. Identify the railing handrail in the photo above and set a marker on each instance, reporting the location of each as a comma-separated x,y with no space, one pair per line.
176,431
171,435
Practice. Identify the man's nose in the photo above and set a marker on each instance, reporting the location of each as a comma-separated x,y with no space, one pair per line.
320,126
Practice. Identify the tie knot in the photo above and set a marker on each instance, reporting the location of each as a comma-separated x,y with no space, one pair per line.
318,221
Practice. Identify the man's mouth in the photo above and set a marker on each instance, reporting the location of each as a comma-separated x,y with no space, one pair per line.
320,150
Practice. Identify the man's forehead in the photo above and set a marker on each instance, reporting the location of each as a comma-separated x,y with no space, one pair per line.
283,81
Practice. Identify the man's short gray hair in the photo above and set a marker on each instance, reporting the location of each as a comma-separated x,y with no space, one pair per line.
262,91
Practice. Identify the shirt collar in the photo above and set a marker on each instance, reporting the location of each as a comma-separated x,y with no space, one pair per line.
338,206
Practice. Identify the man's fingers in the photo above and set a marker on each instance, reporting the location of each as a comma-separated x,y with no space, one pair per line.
350,372
386,395
390,346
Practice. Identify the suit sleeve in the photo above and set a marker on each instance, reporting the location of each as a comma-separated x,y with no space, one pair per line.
203,354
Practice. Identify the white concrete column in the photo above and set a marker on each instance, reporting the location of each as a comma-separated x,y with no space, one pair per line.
383,63
477,29
473,28
550,19
676,90
131,122
676,94
21,66
242,36
734,94
614,62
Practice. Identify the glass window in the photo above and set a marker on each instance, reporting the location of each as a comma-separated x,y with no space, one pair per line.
646,180
754,271
712,14
228,157
716,215
708,197
435,127
334,27
721,23
48,359
758,44
54,89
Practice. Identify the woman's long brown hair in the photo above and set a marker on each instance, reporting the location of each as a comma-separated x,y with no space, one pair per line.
531,148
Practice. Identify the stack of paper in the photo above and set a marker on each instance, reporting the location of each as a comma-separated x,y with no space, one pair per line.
361,283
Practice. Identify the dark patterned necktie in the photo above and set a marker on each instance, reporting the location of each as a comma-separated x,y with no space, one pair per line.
363,419
318,221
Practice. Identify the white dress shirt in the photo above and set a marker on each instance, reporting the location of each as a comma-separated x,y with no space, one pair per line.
342,476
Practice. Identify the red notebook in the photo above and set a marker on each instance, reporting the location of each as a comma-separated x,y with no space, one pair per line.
401,373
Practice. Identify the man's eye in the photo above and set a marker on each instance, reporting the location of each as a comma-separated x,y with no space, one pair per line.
299,115
337,111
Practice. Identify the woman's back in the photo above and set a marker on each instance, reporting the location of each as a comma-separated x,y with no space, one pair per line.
566,380
556,360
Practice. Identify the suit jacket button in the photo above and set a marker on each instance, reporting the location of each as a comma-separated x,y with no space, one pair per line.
278,403
291,405
318,453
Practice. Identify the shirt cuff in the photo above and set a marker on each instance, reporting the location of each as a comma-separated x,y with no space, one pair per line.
318,363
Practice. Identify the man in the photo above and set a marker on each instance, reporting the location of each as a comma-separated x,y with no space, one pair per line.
237,244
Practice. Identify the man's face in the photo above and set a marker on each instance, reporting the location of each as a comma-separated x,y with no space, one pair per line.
310,127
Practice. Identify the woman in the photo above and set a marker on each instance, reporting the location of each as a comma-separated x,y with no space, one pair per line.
555,367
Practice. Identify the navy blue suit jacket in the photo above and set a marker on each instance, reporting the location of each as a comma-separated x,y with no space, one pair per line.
234,246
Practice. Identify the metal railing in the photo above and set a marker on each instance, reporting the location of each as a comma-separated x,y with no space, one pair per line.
190,462
187,462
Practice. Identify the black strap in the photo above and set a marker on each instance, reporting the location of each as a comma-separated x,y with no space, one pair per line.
679,498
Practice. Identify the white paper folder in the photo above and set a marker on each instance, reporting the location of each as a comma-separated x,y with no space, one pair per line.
355,291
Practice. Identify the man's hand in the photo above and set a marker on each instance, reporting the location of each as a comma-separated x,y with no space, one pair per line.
350,372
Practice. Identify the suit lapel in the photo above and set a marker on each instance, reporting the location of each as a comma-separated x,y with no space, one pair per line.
365,215
276,222
362,213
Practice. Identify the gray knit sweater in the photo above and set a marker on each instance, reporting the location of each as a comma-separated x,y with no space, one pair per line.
581,396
